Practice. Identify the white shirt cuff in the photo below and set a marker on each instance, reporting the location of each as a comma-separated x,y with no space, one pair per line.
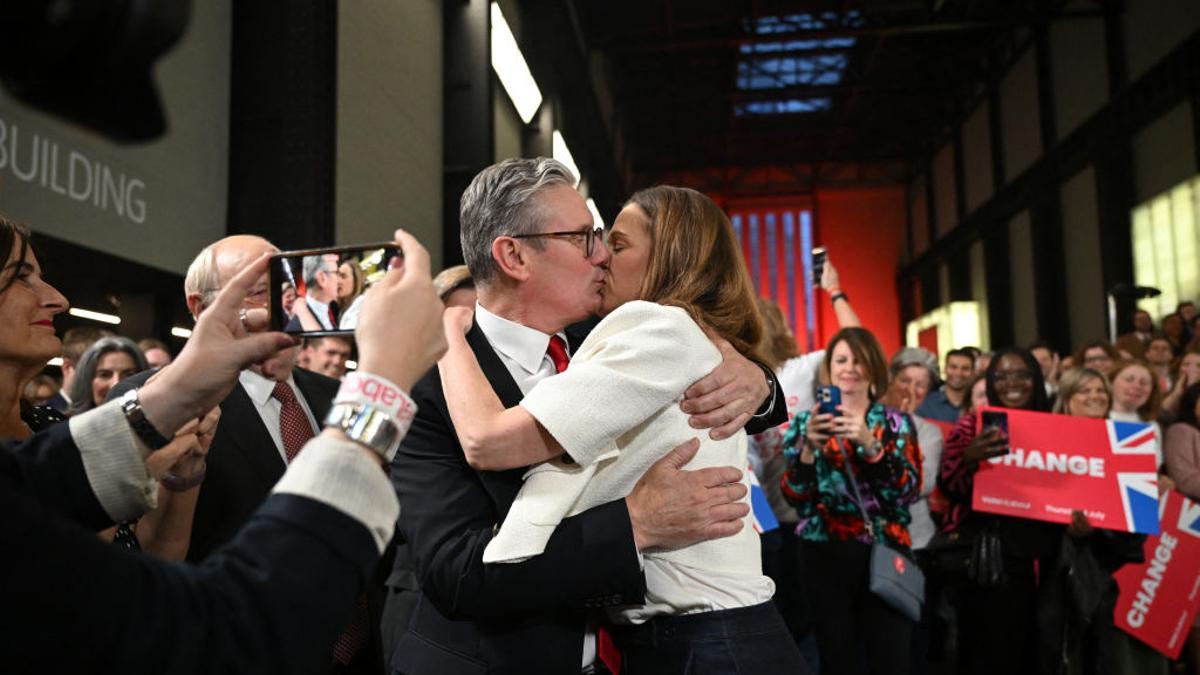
114,462
340,474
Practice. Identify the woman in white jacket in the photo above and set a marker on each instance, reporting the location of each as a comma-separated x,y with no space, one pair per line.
676,276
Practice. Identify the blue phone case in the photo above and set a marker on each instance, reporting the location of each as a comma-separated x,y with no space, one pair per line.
829,398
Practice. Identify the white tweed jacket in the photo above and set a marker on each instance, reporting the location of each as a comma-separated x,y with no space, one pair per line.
616,411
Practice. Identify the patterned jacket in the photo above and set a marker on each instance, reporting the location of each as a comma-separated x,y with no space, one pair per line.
889,482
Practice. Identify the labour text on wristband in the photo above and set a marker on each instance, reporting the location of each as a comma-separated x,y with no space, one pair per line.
381,393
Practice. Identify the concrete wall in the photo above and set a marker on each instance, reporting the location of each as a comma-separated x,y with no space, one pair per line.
1164,153
943,190
1019,113
389,122
1024,308
1081,247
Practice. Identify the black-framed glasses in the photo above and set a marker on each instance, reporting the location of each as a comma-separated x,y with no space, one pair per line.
589,235
1014,376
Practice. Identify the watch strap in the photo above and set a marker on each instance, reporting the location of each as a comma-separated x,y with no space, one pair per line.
135,415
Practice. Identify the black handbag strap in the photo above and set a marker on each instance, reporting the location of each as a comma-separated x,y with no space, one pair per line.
858,500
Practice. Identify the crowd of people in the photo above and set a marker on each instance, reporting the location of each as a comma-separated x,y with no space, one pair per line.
568,489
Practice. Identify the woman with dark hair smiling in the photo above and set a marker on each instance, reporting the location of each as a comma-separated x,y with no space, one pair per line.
28,305
108,361
997,619
874,447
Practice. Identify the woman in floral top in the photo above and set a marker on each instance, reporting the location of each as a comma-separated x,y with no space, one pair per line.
878,446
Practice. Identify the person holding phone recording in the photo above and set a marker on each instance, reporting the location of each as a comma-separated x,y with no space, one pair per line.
997,615
878,446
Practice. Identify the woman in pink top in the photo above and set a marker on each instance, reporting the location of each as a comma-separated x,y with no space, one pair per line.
1183,465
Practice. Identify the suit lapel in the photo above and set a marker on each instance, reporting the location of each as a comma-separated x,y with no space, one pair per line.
319,399
493,368
249,434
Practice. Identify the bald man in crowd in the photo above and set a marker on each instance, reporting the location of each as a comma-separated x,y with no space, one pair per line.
271,413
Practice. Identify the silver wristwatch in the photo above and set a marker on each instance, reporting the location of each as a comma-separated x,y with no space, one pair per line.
366,425
131,406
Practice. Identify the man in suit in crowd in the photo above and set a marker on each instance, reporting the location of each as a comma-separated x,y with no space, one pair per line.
273,600
1135,341
274,409
320,293
538,266
327,355
249,452
75,342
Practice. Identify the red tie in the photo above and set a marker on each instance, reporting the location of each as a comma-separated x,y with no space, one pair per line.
606,649
558,353
296,431
294,428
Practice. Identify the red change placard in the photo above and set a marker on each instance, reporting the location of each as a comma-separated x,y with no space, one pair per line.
1059,464
1159,597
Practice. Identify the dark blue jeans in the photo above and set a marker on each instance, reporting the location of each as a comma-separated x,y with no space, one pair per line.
747,640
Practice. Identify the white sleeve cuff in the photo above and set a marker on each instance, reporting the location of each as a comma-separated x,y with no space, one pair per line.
340,474
114,462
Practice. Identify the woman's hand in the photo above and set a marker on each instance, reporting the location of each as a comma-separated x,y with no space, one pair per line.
184,456
829,277
853,428
1165,484
1080,526
820,428
991,443
457,321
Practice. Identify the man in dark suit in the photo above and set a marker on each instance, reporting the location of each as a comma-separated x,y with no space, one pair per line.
248,453
538,266
250,450
275,598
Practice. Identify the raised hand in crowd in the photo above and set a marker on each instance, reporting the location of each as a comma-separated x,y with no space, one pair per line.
399,332
991,442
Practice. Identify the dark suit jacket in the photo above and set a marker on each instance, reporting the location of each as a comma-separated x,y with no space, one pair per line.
526,617
72,603
58,402
244,463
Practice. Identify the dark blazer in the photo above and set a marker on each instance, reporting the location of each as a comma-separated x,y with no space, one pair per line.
526,617
244,463
58,402
72,603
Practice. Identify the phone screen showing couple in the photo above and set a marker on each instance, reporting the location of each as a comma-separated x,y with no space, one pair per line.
320,291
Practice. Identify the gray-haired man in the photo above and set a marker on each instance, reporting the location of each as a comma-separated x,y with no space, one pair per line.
538,266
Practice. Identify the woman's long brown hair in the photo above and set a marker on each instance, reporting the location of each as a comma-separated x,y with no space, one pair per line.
695,264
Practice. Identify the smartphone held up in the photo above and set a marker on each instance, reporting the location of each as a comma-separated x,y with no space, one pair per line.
317,292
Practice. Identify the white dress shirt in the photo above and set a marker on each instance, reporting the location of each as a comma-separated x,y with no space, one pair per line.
259,389
320,311
522,350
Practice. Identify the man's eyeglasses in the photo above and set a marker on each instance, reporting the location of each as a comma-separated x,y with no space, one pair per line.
589,235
